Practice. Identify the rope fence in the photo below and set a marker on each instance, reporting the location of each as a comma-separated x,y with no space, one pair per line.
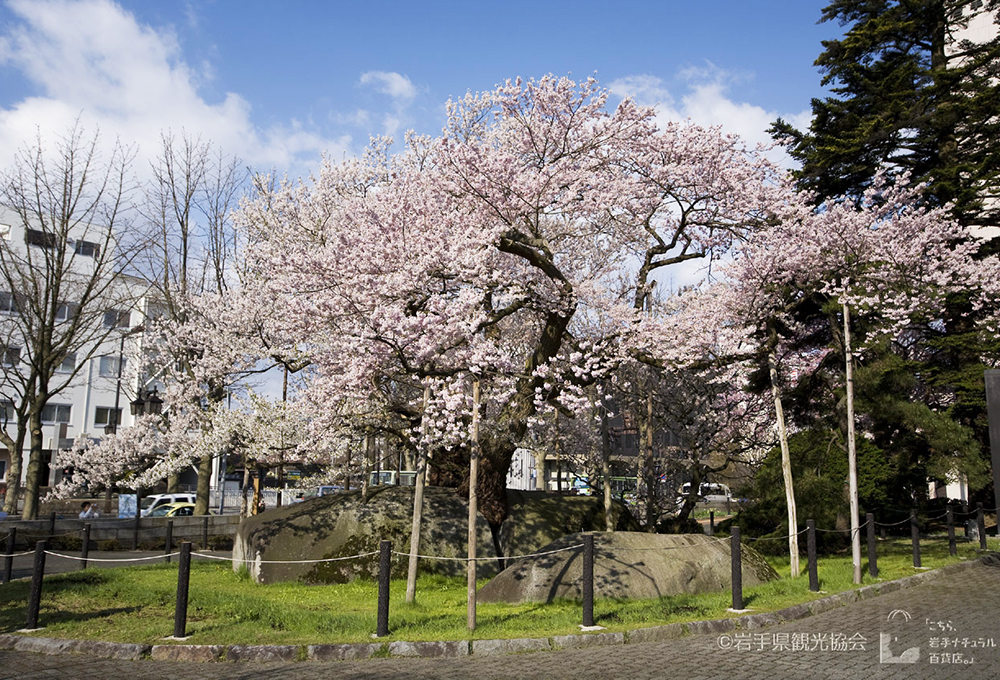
385,553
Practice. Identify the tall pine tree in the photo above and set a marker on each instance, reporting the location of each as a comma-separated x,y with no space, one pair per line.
909,93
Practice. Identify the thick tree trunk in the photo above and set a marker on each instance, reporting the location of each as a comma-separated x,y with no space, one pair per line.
786,465
32,481
173,483
852,455
539,457
204,481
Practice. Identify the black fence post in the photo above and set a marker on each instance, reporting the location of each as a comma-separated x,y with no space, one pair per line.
384,566
981,523
204,533
711,522
135,528
952,548
872,553
52,524
811,555
737,562
183,578
85,547
35,597
9,556
965,520
915,537
588,579
169,541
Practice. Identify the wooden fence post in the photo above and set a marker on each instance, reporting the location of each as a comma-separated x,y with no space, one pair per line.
183,579
872,553
737,571
811,555
981,523
915,537
85,548
588,579
952,548
35,597
384,567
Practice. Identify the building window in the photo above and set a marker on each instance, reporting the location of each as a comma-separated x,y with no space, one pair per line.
110,365
34,237
6,412
56,413
68,363
66,311
8,303
10,356
87,248
115,318
104,415
5,232
3,470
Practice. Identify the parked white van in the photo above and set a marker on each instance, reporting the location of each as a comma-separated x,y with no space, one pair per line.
157,499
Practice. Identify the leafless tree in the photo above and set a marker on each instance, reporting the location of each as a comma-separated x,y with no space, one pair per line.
190,243
64,274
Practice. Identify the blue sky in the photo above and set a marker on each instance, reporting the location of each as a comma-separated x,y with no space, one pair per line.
280,83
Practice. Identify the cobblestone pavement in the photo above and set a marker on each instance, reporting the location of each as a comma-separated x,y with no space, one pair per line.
955,613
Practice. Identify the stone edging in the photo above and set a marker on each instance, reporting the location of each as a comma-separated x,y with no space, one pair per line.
455,648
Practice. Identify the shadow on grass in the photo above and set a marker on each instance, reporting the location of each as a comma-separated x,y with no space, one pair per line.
49,617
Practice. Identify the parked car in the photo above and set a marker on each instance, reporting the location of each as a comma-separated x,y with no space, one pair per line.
174,510
708,492
150,503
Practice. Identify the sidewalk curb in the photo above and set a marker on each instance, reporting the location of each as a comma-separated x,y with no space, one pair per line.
457,648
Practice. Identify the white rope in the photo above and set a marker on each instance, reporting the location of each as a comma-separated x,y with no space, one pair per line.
751,539
108,559
253,561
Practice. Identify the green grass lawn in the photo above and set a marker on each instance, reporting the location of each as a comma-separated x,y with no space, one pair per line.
136,604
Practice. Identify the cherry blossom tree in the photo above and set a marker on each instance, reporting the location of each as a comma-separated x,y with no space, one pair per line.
520,245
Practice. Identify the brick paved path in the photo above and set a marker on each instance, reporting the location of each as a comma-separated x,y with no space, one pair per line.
962,607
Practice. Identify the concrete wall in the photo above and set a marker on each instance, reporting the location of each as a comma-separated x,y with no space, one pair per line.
151,530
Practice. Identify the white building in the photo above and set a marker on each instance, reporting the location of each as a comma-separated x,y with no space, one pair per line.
110,377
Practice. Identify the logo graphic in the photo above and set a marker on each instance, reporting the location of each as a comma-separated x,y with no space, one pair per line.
890,640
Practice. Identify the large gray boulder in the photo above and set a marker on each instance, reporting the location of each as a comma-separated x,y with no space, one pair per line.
628,564
342,525
273,545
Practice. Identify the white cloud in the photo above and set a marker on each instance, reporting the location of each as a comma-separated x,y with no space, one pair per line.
400,89
92,60
645,89
706,101
393,84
